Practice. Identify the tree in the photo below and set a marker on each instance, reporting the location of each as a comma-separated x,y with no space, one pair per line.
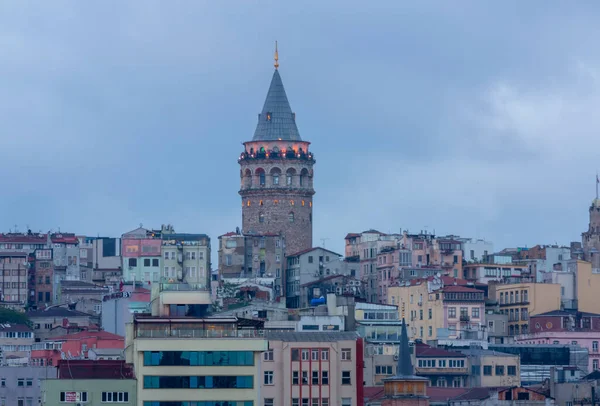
13,317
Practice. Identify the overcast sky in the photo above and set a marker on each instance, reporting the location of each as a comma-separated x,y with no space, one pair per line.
472,118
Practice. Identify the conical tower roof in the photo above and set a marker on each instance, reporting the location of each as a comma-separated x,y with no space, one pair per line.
276,121
405,366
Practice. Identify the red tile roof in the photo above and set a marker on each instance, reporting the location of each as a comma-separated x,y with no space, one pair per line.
372,392
312,249
351,235
229,234
457,288
424,351
94,369
102,335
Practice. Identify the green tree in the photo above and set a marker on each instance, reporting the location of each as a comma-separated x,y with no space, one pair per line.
13,317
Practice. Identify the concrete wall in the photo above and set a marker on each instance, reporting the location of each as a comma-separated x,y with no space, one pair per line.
12,392
52,388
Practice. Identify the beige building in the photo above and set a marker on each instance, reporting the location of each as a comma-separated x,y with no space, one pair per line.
312,368
587,286
185,258
15,342
439,305
521,300
194,359
13,292
493,369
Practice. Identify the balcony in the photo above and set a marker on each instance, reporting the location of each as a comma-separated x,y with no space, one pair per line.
277,156
465,317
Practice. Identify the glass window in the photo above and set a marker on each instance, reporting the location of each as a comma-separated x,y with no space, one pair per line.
346,378
198,358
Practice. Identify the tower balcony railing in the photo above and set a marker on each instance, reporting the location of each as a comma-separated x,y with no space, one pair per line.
279,155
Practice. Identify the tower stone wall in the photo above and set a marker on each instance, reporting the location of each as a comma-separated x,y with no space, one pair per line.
277,192
591,238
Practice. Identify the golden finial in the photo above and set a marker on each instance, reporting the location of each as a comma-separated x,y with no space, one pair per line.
276,56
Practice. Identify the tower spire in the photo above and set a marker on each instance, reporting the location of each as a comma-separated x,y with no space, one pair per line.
276,57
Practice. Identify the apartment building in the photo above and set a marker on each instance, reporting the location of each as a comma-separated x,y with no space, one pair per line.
93,383
521,300
57,321
312,368
21,385
41,281
180,360
486,273
141,255
443,368
15,342
185,257
14,280
492,368
440,303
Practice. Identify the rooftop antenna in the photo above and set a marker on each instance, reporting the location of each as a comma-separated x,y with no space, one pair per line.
323,241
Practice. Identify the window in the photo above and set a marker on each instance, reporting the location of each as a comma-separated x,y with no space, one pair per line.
315,377
475,312
315,402
268,378
383,370
499,370
430,332
295,402
325,402
261,178
291,217
21,382
595,365
268,355
511,370
430,314
146,261
288,179
315,355
115,397
324,377
268,402
346,354
295,377
346,378
304,377
132,262
305,402
595,346
487,370
346,401
324,355
452,312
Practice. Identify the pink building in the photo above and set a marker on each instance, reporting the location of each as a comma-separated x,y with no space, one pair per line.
313,368
566,327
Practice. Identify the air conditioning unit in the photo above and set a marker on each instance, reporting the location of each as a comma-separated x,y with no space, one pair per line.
396,358
339,290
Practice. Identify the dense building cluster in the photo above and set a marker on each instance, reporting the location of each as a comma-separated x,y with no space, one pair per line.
411,318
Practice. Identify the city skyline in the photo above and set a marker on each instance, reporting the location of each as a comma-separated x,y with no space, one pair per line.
112,126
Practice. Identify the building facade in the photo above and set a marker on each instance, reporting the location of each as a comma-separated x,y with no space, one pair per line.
42,279
185,257
15,342
308,266
21,385
276,175
521,300
590,239
312,368
141,255
14,279
193,359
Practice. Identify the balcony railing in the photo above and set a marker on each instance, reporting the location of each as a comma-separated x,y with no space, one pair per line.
465,317
197,333
181,287
441,371
290,154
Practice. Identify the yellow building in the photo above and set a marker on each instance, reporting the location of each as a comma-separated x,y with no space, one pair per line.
440,304
521,300
587,286
193,359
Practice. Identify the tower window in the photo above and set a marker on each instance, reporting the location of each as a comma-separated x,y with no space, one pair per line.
261,178
260,202
289,179
302,202
292,202
309,204
268,116
261,218
291,217
276,179
248,203
275,201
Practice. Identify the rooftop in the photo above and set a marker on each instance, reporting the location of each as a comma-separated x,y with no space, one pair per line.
276,121
306,251
309,336
56,312
424,350
94,369
15,327
566,313
101,335
459,289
